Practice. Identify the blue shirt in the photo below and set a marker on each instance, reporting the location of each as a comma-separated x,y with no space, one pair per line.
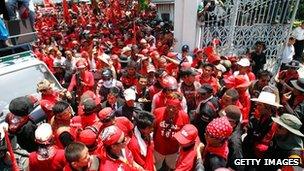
3,31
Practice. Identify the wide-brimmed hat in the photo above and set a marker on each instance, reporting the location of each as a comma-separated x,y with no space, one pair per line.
298,84
267,98
294,64
124,59
244,62
125,49
290,122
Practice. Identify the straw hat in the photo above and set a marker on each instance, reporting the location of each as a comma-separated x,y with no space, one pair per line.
290,122
267,98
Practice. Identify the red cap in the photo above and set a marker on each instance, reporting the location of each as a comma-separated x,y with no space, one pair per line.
125,125
241,82
169,82
88,137
214,59
154,54
111,135
105,113
208,50
186,135
219,128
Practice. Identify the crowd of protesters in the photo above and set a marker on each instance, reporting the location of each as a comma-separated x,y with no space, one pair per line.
131,103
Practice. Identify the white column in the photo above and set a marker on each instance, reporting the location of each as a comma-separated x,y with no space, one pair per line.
185,26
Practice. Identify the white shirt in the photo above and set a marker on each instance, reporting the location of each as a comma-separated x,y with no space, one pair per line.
288,53
298,33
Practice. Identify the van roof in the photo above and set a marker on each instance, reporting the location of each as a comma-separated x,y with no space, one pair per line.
17,61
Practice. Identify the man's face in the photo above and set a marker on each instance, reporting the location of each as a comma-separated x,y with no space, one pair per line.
264,80
84,159
143,82
259,48
130,103
189,79
226,100
281,131
131,70
147,131
207,71
172,109
263,108
111,99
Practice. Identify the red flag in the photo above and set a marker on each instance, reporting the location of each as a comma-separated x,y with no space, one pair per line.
66,13
10,150
75,8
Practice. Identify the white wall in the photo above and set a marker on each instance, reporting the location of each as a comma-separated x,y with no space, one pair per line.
185,25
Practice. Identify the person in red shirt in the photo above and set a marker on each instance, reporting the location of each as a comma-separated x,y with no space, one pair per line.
188,140
79,159
116,155
168,121
47,157
88,118
169,85
206,77
82,80
129,78
49,97
141,144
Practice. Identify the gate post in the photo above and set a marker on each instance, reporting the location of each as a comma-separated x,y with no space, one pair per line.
185,23
234,17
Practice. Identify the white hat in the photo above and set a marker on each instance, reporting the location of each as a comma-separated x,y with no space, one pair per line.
43,133
129,94
267,98
125,49
142,41
244,62
220,67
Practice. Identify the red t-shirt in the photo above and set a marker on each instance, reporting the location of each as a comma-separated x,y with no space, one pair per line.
147,162
111,164
56,163
87,78
163,132
186,159
246,103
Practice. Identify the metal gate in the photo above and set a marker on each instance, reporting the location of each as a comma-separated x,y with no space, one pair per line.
239,24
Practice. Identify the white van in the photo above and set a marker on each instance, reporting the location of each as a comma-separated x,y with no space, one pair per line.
19,75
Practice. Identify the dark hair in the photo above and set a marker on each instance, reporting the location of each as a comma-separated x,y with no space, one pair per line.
114,91
59,107
73,151
233,112
291,38
233,93
141,76
205,65
143,119
261,43
263,73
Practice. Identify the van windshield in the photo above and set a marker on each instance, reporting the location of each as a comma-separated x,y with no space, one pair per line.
22,82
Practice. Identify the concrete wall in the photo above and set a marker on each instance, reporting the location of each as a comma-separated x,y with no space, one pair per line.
185,25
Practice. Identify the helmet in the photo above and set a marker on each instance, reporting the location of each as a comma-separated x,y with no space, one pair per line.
107,73
169,82
82,63
185,48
